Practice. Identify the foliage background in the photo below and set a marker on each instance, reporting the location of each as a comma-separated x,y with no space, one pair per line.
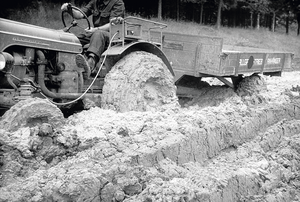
183,16
230,13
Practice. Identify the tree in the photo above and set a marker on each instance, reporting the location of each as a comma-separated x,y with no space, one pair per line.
259,7
295,7
274,7
201,2
159,9
177,10
224,4
219,15
289,8
231,6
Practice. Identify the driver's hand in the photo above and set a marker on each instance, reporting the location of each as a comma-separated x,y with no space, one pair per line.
64,7
116,20
91,30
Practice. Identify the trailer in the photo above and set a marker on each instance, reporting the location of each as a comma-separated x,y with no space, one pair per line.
196,56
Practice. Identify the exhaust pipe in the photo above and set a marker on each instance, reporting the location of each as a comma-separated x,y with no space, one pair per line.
41,80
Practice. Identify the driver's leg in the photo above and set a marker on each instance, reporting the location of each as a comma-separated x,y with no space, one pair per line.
80,59
98,43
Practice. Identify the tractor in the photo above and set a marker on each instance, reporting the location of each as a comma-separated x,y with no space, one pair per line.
142,68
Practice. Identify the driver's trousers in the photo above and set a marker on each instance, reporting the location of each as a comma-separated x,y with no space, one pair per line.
98,42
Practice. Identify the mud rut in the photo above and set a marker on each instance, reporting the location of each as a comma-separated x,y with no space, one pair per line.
243,146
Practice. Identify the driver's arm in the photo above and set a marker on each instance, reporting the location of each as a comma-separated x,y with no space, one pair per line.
104,27
76,13
112,21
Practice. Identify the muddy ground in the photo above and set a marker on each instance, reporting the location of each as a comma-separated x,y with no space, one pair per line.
222,145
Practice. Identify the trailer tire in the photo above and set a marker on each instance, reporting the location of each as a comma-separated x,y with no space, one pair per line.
251,90
140,81
251,85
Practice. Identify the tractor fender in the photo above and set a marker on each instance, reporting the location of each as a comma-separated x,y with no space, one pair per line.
122,50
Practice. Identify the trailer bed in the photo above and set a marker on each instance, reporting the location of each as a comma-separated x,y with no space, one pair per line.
203,56
243,60
206,56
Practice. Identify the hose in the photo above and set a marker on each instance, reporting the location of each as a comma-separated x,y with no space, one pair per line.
9,80
41,76
83,94
41,80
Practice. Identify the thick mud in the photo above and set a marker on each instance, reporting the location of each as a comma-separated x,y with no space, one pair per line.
221,146
139,82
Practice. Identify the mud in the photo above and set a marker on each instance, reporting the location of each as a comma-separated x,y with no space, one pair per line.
220,146
139,82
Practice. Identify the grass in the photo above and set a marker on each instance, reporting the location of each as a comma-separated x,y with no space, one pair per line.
49,17
263,38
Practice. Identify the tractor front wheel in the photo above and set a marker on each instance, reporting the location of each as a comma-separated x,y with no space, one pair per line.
31,112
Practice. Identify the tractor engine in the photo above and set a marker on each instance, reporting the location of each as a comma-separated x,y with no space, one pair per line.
36,61
28,72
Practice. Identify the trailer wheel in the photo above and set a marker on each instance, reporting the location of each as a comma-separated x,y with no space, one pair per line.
251,85
140,81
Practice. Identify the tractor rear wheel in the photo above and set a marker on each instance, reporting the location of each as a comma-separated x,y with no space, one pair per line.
140,81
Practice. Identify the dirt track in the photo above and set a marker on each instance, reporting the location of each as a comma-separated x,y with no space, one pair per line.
243,146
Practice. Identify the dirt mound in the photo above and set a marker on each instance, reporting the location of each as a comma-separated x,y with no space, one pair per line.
140,82
260,170
30,139
208,96
233,150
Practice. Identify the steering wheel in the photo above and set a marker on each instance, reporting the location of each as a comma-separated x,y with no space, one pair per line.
74,22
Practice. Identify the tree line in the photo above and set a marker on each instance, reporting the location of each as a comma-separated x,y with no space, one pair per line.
233,13
230,13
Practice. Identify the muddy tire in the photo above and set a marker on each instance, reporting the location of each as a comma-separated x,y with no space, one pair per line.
250,85
251,90
31,112
139,82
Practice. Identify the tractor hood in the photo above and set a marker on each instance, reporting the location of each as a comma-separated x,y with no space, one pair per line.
16,33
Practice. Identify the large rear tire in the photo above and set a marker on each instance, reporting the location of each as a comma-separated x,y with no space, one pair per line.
140,81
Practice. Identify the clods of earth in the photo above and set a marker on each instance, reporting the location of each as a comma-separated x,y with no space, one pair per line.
221,145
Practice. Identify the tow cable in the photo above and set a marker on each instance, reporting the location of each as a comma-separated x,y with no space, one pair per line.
83,94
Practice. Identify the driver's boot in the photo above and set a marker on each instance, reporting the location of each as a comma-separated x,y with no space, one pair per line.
92,60
81,62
